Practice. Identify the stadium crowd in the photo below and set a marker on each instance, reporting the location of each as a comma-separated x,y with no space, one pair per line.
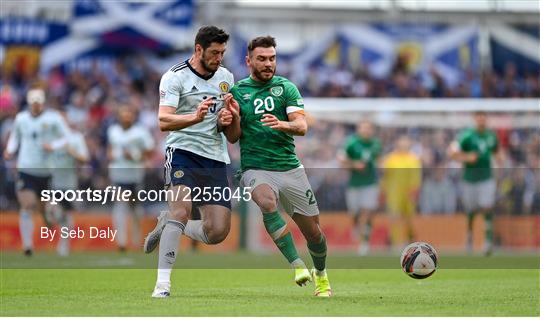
90,99
323,81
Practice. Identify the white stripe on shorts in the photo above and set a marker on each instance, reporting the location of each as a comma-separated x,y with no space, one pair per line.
168,166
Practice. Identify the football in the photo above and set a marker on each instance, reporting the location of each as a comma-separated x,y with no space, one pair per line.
419,260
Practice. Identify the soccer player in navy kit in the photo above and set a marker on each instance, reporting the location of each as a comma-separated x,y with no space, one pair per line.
196,108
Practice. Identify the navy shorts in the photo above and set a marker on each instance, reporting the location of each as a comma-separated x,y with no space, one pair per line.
33,183
197,173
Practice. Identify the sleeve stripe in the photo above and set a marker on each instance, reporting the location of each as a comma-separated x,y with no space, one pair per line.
165,105
292,109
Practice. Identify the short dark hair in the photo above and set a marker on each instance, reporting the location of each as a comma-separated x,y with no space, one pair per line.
261,41
209,34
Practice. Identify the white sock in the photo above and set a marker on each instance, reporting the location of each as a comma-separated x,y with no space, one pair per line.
119,216
168,249
298,263
194,230
26,227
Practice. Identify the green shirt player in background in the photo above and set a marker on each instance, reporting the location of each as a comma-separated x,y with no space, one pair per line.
360,156
272,112
475,148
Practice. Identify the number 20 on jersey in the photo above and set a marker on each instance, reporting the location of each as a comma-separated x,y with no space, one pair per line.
263,105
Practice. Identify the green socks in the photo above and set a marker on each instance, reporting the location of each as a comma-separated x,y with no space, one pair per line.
276,226
318,253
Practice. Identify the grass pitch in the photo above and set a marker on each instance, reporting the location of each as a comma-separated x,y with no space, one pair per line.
114,286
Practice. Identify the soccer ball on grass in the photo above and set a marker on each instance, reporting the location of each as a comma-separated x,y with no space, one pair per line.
419,260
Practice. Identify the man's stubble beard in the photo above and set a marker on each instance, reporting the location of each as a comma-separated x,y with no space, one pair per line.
258,75
206,66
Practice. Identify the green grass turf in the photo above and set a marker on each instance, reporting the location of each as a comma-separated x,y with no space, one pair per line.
260,292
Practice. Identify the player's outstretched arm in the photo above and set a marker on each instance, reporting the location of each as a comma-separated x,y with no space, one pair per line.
169,120
297,124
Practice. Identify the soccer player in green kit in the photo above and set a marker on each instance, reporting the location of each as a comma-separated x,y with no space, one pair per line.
475,148
272,112
360,157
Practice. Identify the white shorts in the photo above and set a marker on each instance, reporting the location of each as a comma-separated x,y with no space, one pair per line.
479,195
362,198
291,187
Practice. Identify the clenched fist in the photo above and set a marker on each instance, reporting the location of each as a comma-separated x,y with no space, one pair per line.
225,117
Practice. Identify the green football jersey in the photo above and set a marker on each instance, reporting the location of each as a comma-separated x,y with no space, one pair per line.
367,151
262,147
484,144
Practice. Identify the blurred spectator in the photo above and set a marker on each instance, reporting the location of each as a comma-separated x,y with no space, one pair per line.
438,194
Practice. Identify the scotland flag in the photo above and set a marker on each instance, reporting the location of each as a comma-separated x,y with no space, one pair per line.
449,49
151,25
519,44
107,26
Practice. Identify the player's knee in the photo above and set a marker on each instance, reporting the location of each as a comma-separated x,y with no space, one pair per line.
265,199
267,202
216,231
217,234
179,214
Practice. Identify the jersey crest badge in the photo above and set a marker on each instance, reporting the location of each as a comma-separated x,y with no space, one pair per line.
178,174
276,91
224,86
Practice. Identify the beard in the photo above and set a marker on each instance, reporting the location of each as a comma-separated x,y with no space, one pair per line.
263,76
207,67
